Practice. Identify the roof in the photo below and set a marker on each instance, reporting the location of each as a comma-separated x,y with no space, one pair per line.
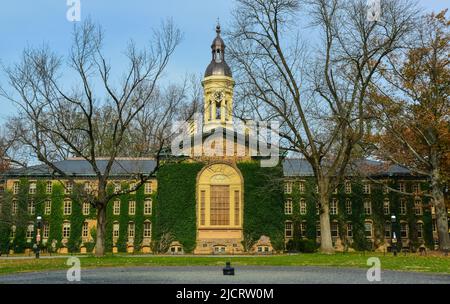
123,167
81,167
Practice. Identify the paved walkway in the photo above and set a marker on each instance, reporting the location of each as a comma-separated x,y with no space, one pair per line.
213,275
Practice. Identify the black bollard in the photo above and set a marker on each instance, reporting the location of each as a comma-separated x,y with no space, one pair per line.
228,270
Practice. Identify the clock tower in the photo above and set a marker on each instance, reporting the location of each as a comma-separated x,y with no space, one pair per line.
218,85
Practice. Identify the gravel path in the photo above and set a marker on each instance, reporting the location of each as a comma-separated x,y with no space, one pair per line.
213,275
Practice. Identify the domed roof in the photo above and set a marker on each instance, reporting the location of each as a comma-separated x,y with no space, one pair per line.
218,66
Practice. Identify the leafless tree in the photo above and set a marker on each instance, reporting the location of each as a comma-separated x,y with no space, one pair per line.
318,92
57,120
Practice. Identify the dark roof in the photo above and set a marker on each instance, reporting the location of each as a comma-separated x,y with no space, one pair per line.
220,69
124,167
301,167
80,167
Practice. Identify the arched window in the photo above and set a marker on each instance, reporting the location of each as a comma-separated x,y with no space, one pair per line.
116,230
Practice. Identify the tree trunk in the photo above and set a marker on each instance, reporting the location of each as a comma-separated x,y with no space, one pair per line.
441,212
101,231
326,243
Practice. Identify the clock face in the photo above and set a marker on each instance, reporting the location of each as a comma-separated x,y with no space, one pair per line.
218,96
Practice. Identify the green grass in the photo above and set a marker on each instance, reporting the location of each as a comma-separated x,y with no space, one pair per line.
433,264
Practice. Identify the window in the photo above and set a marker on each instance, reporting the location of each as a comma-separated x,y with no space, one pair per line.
334,207
318,229
317,208
148,188
68,188
116,230
131,230
301,187
416,188
237,208
147,229
49,187
385,190
132,208
86,208
418,207
419,228
13,231
303,229
202,207
117,188
31,207
288,206
116,208
386,207
404,230
288,187
67,207
302,207
85,230
148,207
367,207
387,230
220,205
32,188
368,229
349,230
401,187
334,229
348,187
133,187
48,207
87,187
30,230
434,225
45,231
14,207
16,188
317,188
403,206
288,229
66,230
366,188
348,206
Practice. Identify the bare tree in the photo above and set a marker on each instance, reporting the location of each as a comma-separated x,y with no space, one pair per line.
57,121
319,96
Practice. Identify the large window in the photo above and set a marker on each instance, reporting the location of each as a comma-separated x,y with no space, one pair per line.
48,207
148,188
404,230
348,187
49,187
237,207
202,207
16,186
116,230
85,230
66,230
116,208
147,229
366,188
334,229
418,207
368,229
419,229
303,229
367,207
131,207
148,207
31,207
68,188
302,207
301,187
349,230
288,206
288,229
86,208
403,208
131,230
288,187
32,188
67,207
220,205
45,231
348,206
334,207
386,207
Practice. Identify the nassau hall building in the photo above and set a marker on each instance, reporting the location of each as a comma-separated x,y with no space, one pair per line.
213,204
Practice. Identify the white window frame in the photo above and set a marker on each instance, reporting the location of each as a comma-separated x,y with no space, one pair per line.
67,207
348,206
288,206
303,207
148,207
86,208
334,207
132,208
147,230
48,207
66,230
116,207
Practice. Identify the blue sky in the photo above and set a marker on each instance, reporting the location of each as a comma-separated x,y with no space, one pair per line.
32,22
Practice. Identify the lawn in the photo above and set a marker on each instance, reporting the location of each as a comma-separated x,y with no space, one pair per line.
434,264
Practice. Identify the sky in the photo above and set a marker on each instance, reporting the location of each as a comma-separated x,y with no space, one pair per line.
34,22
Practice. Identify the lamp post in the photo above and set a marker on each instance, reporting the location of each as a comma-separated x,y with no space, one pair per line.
38,235
394,237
